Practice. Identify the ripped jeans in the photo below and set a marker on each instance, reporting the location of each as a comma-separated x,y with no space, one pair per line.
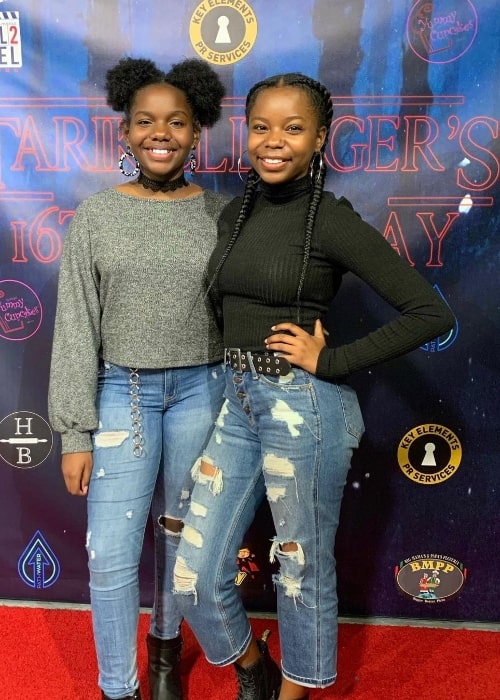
291,439
153,425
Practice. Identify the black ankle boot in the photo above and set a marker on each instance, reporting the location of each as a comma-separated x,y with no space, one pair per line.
135,696
164,657
261,680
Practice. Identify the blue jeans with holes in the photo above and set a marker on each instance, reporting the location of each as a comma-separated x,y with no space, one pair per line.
152,426
289,439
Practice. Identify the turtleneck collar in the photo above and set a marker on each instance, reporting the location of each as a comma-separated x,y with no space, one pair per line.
286,191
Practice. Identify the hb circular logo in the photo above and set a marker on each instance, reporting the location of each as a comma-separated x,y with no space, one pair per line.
223,32
429,453
25,439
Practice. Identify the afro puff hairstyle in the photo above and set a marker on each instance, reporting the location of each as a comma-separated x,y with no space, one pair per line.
197,80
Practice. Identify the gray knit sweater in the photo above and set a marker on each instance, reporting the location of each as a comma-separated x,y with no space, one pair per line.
131,292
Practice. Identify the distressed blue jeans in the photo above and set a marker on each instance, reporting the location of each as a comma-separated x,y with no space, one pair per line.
291,439
152,426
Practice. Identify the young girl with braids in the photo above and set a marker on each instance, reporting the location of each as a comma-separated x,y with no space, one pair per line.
289,423
136,376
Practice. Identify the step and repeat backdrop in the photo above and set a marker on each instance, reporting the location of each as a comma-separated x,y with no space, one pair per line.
414,145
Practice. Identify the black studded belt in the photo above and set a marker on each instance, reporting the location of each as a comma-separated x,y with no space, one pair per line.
263,362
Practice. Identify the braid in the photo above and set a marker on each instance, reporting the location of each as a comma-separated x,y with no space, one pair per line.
319,176
321,100
245,209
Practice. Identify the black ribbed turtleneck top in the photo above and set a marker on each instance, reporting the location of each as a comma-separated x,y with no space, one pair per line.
257,285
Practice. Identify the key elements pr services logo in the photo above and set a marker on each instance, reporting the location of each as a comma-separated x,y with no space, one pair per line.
429,454
221,33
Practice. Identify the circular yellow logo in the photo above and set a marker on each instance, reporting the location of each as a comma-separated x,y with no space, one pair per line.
223,31
429,454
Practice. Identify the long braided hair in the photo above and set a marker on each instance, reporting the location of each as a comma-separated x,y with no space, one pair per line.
323,107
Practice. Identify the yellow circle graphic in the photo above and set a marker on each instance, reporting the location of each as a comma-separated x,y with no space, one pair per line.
223,31
429,454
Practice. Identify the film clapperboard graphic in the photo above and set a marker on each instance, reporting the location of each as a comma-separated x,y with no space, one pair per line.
10,40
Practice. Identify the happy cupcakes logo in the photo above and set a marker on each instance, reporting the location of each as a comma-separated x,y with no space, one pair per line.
20,310
443,30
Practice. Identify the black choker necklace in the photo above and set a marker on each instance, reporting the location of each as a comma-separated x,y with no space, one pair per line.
162,185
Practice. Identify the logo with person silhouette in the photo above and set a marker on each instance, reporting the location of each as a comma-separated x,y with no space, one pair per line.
223,34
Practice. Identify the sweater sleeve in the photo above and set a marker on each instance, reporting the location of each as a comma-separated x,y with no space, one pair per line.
422,313
76,343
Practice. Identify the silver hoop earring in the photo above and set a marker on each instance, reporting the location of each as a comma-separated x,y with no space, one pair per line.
239,166
320,164
128,154
193,163
319,155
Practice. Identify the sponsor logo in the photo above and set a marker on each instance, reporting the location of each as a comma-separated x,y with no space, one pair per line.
247,565
441,32
38,566
443,342
429,454
10,40
20,310
223,31
25,439
430,578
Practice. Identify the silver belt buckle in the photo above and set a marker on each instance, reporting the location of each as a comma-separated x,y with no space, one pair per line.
234,358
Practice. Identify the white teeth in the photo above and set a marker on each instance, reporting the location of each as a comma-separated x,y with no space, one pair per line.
161,151
273,160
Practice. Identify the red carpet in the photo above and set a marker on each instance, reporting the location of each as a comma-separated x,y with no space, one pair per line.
47,654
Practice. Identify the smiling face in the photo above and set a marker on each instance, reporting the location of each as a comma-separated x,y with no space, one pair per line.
161,131
283,134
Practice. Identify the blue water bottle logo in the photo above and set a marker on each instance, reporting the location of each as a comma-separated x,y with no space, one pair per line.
38,566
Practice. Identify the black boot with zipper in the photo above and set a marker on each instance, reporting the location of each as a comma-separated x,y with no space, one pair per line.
164,667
